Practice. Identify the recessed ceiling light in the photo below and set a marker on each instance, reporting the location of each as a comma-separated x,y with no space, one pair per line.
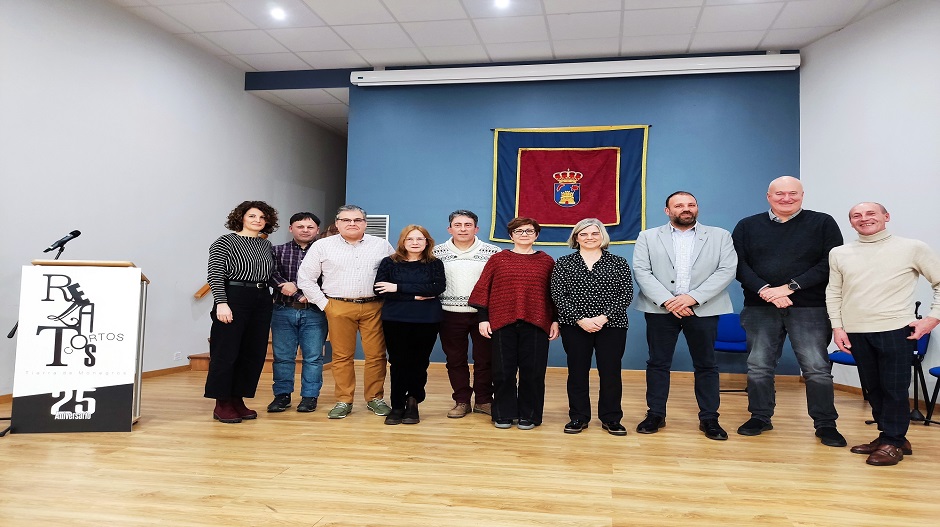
501,4
278,14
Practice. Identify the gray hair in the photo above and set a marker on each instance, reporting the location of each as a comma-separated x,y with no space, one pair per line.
584,224
347,208
463,212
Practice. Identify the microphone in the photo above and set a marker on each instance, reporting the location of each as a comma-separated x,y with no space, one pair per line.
64,240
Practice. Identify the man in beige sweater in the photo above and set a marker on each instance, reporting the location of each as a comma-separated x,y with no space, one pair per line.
869,299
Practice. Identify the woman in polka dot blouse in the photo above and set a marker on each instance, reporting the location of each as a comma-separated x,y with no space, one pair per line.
592,289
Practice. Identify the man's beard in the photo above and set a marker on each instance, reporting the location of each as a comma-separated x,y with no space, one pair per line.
684,220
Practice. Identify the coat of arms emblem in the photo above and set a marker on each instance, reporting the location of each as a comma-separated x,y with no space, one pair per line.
567,187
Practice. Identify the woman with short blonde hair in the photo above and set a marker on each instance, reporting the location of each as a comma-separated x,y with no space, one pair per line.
592,289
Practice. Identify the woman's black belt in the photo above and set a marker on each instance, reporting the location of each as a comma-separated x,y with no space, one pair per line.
256,285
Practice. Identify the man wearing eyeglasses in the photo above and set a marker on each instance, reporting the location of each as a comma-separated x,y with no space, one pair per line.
683,269
347,265
464,256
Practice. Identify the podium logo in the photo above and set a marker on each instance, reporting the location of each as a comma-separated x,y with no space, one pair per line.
83,407
73,328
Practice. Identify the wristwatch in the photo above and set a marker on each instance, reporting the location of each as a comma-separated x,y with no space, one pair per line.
793,285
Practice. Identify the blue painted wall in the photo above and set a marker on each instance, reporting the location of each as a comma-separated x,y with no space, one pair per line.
416,153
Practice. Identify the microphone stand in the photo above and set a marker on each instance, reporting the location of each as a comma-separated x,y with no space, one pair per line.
10,335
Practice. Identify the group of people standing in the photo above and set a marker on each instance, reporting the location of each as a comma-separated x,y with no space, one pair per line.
510,303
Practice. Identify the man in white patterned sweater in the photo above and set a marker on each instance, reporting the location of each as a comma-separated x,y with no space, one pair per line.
464,256
870,300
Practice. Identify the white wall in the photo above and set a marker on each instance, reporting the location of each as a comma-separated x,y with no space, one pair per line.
870,127
144,143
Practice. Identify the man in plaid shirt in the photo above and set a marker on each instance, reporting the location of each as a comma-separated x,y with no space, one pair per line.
296,321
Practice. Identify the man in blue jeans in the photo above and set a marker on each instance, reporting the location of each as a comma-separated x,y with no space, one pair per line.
296,321
783,267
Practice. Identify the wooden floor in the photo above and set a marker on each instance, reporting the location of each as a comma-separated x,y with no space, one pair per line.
180,468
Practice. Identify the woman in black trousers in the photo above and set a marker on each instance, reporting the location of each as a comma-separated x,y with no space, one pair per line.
240,265
592,289
409,281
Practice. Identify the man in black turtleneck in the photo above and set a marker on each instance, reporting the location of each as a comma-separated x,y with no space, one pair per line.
783,267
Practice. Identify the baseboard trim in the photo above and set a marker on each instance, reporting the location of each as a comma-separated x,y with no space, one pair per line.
200,362
851,389
737,377
166,371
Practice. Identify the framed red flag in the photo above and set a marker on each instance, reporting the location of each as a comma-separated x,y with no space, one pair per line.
559,176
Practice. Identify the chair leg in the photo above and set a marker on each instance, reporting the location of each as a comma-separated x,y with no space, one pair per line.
932,405
916,415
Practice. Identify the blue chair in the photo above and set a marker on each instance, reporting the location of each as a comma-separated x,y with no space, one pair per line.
731,338
917,361
846,359
843,358
935,371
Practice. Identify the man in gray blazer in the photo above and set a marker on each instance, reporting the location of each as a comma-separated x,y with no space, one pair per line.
683,269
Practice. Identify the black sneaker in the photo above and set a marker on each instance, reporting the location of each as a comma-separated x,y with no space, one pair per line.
307,404
525,424
754,427
280,403
503,423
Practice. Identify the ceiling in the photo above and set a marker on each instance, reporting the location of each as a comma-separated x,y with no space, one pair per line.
337,34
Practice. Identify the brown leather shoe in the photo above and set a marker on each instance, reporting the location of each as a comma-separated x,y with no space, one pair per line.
868,448
483,408
459,410
224,412
885,455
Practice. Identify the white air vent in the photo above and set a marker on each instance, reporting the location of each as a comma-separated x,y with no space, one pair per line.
377,225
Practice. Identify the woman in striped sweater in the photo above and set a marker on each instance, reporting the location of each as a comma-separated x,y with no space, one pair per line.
240,265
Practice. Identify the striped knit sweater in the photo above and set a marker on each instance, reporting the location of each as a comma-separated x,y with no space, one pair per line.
238,258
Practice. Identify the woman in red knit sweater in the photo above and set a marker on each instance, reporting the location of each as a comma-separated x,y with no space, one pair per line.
516,311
